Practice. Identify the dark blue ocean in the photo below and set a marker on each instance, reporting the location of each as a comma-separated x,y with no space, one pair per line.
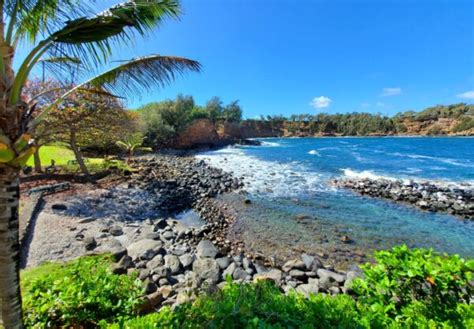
287,177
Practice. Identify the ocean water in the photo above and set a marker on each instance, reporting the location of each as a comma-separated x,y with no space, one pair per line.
296,208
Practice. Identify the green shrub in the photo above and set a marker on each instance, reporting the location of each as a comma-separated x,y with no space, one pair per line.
259,305
81,292
417,286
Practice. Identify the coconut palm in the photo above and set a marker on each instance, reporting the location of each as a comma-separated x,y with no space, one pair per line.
67,29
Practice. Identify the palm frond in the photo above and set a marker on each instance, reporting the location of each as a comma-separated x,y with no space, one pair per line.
131,77
36,17
145,72
86,36
62,68
92,91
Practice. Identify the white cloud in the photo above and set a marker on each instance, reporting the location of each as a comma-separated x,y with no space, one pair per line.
320,102
380,104
468,94
394,91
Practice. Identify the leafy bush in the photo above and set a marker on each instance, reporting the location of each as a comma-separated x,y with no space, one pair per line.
404,289
417,286
81,292
260,305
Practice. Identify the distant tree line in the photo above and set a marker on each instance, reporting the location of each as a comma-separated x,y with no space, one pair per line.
362,124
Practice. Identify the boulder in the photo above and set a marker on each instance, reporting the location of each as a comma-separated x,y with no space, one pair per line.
186,260
206,249
173,264
239,274
312,287
114,247
116,230
294,264
90,243
273,275
322,274
150,302
146,247
229,270
223,262
207,269
311,263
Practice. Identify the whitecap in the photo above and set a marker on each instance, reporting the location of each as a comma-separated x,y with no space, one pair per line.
349,173
314,152
269,178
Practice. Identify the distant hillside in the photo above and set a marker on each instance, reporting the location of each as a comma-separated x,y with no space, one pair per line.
456,119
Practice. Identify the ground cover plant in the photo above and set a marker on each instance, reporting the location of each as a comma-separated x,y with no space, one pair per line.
404,289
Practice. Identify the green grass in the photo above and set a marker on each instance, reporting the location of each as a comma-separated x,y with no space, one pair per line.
61,155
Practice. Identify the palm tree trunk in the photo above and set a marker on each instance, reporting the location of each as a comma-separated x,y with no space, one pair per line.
10,298
37,159
77,154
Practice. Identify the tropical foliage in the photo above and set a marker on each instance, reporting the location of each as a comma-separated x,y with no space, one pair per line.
81,292
162,121
61,33
403,289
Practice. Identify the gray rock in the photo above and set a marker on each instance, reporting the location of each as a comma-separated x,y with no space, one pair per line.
223,262
173,264
146,247
311,262
207,269
155,262
229,270
90,243
312,287
297,274
350,276
123,265
206,249
239,274
116,230
160,272
150,286
293,264
179,250
168,235
246,263
273,275
186,260
114,247
322,274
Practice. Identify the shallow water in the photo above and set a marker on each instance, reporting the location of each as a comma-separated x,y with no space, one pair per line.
287,177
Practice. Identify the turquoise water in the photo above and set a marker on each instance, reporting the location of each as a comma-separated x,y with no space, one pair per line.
286,177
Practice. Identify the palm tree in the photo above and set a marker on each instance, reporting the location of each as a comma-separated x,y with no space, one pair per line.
63,28
132,144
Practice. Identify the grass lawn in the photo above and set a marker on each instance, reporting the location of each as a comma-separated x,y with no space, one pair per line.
57,153
62,155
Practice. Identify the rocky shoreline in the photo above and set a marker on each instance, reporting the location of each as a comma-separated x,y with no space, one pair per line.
454,200
135,220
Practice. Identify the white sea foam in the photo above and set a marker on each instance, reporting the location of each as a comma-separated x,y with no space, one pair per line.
270,144
272,179
349,173
367,174
314,152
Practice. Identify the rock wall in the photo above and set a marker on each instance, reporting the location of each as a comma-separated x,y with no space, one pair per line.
201,133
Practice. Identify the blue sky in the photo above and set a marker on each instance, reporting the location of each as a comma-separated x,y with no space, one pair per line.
295,56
